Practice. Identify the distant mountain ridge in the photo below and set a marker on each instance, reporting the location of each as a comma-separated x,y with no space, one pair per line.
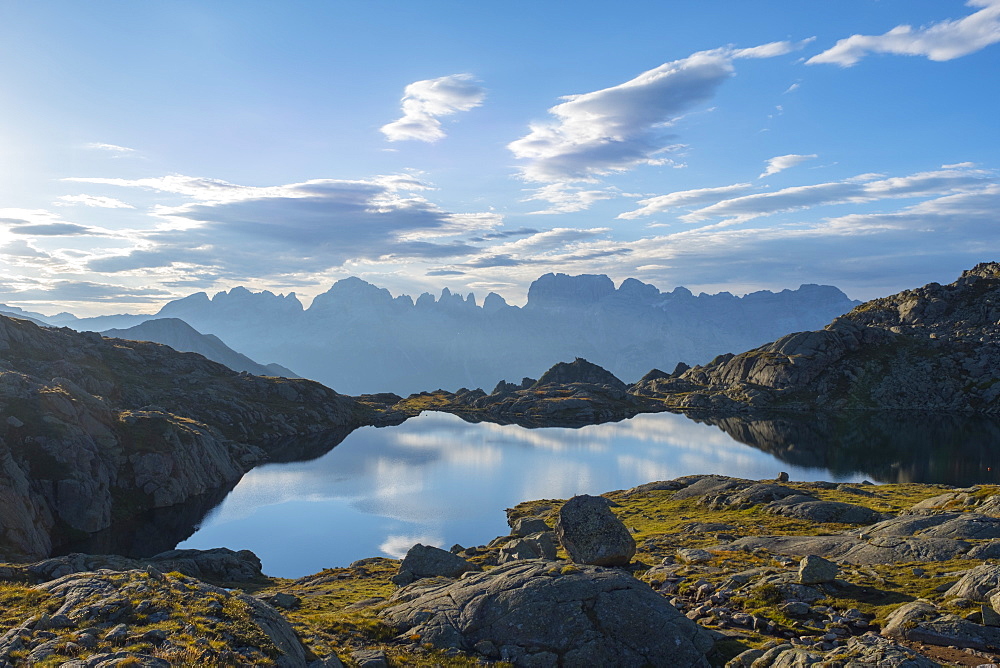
182,337
358,338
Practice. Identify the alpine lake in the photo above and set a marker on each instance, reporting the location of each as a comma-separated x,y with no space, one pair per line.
438,479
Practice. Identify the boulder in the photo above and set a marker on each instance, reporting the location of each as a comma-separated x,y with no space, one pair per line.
524,526
537,613
592,534
976,584
425,561
541,545
814,569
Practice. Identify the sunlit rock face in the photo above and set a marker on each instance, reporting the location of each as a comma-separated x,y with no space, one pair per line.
931,348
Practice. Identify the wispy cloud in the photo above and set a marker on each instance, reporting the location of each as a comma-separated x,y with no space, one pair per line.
923,184
566,198
944,40
110,148
782,162
619,128
683,198
93,201
425,101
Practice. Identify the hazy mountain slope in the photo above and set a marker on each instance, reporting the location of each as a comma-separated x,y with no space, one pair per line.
930,348
183,337
93,430
359,338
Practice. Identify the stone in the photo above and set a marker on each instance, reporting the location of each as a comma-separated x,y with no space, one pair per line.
782,477
370,658
539,613
539,545
283,600
814,569
592,534
795,608
808,508
524,526
424,561
976,583
691,555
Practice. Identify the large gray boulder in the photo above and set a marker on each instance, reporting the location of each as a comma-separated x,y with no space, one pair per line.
592,534
814,569
546,614
426,561
976,584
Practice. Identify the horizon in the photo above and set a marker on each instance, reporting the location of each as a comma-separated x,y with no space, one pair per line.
307,304
158,151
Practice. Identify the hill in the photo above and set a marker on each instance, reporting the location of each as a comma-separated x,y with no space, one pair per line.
931,348
94,431
183,337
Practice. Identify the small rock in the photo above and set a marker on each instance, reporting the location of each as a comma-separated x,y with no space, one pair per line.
525,526
117,634
795,608
694,555
814,569
370,658
782,477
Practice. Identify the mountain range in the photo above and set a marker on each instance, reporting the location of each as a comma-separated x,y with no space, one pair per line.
358,338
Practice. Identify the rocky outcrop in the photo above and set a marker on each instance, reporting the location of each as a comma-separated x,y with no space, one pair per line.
931,348
131,606
546,614
94,430
568,394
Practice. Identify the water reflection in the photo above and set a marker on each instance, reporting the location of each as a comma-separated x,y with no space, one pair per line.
913,446
437,479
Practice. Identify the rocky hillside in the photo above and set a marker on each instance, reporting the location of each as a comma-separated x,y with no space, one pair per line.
931,348
95,430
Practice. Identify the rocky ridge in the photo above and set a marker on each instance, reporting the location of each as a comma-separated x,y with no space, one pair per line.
95,430
930,348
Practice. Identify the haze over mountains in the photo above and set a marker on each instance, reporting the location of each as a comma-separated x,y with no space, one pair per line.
358,338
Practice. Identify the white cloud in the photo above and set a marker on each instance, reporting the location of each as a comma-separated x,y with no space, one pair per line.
93,201
944,40
566,198
306,227
782,162
110,148
424,101
924,184
661,203
618,128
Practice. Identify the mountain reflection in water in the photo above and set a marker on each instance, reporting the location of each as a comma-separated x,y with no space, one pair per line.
440,480
889,446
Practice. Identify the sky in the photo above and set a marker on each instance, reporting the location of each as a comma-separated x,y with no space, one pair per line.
149,150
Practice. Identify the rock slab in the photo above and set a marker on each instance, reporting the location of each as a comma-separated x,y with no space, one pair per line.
542,613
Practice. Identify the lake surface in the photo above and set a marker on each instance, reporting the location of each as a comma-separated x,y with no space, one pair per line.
439,480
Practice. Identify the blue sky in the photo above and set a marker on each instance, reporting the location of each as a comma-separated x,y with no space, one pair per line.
152,150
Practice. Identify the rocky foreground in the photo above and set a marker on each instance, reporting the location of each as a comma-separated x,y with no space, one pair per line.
698,571
94,431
